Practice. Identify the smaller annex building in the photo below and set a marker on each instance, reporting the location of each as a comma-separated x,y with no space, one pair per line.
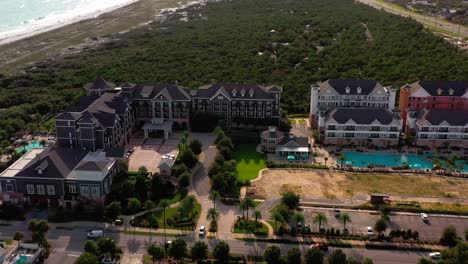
284,146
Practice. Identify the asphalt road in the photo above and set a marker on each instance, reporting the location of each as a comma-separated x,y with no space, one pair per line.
361,219
68,244
439,23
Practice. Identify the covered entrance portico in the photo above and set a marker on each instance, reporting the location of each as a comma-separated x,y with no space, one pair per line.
157,125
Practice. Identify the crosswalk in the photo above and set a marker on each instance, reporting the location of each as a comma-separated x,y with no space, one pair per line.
67,250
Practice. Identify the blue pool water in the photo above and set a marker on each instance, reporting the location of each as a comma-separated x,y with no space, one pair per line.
362,160
22,259
31,145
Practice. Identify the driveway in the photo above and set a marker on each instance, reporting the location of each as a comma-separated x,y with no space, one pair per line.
201,187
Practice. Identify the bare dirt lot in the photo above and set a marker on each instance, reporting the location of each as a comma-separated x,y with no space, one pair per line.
319,184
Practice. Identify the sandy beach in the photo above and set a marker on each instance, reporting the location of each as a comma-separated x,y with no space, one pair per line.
80,33
44,24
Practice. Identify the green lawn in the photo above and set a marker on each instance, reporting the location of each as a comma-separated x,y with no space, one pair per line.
262,231
249,161
170,212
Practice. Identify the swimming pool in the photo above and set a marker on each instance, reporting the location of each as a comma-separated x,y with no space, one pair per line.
32,145
23,258
361,160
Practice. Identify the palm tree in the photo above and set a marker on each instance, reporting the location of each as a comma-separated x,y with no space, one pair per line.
320,218
299,218
214,195
277,217
249,203
344,219
164,204
213,214
326,159
258,215
188,205
243,207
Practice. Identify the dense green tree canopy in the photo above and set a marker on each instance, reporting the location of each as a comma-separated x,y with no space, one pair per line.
289,43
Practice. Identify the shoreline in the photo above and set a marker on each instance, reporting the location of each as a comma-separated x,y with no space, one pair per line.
82,33
34,30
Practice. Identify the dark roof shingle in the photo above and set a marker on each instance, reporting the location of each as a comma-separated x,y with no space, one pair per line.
444,88
362,115
367,86
452,117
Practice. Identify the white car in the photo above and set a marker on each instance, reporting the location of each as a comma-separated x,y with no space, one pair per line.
202,231
370,232
424,217
434,255
95,233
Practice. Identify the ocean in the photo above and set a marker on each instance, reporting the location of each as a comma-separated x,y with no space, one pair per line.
20,17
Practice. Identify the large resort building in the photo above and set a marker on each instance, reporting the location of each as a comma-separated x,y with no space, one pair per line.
436,112
357,111
91,134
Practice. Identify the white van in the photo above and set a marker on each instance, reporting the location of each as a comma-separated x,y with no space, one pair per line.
95,234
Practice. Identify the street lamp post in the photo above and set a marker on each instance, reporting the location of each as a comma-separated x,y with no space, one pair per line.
133,218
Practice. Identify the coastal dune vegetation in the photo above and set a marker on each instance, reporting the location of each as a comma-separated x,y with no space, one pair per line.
290,43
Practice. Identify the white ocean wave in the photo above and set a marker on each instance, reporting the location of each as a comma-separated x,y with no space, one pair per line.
23,18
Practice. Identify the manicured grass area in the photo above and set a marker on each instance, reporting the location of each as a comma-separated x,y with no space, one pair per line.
249,161
257,203
175,198
170,213
262,231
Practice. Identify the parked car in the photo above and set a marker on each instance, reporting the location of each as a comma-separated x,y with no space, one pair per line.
370,232
168,244
95,234
424,217
202,231
321,246
118,221
435,255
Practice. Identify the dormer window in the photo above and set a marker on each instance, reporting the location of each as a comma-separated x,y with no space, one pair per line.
234,92
451,91
348,90
439,91
359,90
242,92
251,92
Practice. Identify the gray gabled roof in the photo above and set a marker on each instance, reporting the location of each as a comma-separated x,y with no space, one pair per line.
367,86
452,117
259,92
54,162
68,116
175,92
444,88
362,115
99,84
291,140
93,166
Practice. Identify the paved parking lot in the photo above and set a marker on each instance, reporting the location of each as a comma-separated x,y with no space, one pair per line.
148,152
362,219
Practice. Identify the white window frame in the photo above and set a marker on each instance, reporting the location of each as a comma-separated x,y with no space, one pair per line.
30,188
84,190
40,189
50,189
9,188
95,191
72,188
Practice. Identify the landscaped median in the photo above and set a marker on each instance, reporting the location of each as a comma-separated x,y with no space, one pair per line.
309,240
257,228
